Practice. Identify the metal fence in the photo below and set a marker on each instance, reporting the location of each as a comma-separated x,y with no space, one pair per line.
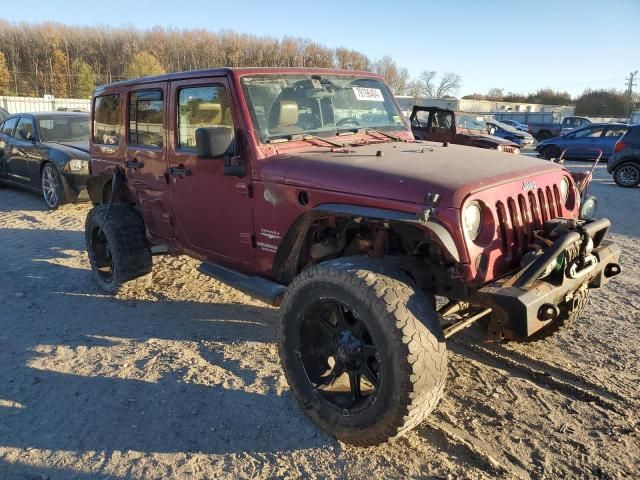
43,104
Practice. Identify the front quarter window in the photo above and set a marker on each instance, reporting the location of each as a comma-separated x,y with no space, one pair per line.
282,106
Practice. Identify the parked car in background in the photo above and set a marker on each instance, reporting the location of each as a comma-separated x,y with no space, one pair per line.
442,125
634,118
624,163
510,133
544,125
517,125
571,123
46,152
3,114
584,142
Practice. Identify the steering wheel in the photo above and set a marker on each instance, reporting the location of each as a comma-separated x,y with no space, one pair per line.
351,120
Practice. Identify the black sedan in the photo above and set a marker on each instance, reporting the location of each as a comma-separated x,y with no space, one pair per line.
46,152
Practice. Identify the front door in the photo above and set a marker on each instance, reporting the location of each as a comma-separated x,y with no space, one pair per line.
146,157
212,210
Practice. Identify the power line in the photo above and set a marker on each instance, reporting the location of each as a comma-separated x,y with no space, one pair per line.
630,83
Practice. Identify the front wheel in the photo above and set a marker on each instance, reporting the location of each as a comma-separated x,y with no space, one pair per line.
52,189
551,152
362,350
627,175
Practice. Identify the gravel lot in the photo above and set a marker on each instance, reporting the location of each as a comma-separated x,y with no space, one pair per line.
183,381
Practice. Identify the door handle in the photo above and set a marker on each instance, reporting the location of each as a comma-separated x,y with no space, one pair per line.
135,164
180,170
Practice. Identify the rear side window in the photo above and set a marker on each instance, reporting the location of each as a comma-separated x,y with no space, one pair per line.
106,119
201,107
145,118
9,125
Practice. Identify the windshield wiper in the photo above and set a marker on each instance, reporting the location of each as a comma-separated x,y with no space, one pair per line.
384,134
302,136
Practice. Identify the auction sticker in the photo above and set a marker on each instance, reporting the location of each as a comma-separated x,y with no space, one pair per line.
369,94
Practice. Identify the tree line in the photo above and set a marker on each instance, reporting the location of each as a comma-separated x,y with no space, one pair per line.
597,103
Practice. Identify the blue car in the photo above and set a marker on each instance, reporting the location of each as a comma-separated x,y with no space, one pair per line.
582,143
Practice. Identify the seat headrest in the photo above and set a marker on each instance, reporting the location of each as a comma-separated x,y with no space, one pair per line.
288,114
212,112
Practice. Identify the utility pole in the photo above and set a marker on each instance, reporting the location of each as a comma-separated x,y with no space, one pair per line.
630,83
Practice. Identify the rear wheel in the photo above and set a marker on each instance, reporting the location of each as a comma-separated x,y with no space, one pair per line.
52,189
362,350
627,175
543,135
118,249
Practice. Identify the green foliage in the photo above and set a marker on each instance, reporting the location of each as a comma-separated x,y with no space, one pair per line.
84,79
143,64
602,103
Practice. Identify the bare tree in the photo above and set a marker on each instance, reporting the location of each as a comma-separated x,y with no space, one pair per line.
427,79
450,83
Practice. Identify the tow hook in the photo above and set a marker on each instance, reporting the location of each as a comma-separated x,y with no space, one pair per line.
547,312
612,270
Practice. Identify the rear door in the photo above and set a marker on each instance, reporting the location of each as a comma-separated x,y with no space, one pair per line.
212,211
23,151
611,135
582,143
6,134
146,155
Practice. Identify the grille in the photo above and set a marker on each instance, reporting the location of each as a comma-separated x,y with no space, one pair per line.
520,216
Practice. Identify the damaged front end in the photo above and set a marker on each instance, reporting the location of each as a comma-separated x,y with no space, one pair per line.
567,256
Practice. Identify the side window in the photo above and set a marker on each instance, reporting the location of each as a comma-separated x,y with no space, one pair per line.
106,119
201,107
9,125
421,118
145,118
25,129
616,132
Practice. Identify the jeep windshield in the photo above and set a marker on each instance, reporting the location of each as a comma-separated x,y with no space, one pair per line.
291,106
471,122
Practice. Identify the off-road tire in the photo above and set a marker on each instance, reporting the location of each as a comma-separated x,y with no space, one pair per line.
130,252
625,167
569,312
401,319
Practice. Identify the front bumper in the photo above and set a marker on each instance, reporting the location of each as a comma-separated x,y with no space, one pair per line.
75,186
517,302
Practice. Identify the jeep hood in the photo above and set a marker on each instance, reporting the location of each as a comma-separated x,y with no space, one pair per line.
403,171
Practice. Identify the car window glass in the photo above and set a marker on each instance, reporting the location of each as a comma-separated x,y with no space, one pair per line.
421,118
106,120
64,128
588,133
25,125
9,125
145,118
201,107
615,132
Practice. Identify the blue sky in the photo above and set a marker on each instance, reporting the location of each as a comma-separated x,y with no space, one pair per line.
516,45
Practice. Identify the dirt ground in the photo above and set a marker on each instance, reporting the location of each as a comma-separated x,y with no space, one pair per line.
183,381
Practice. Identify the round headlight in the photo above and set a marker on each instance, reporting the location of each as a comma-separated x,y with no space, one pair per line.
564,189
472,220
589,207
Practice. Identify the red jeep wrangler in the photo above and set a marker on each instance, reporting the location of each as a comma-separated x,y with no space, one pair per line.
443,125
306,189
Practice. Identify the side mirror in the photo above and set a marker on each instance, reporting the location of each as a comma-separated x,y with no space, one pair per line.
215,142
